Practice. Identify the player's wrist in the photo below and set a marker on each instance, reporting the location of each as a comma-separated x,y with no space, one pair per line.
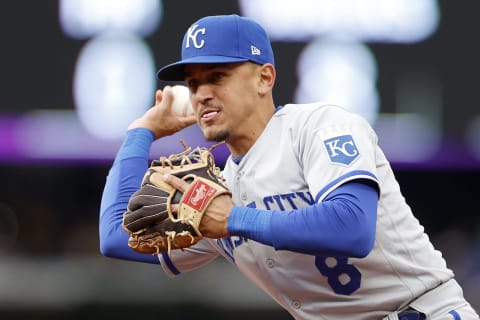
141,123
137,143
251,223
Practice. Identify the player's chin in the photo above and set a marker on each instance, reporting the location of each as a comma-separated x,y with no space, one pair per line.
215,134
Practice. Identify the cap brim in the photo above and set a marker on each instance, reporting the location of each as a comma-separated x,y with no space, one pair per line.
175,71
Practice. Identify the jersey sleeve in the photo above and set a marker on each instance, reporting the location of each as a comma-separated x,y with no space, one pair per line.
336,146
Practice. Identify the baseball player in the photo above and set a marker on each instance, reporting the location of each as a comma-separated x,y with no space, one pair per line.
316,218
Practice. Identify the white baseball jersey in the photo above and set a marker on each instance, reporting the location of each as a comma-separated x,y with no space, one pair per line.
304,153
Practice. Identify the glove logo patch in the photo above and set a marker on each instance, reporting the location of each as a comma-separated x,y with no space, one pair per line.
199,195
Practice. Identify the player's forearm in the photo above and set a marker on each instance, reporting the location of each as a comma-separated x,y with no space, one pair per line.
123,180
128,168
342,225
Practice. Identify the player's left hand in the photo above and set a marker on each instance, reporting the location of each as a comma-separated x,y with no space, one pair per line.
214,220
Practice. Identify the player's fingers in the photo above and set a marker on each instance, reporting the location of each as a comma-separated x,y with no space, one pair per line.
167,97
187,120
158,96
174,208
176,182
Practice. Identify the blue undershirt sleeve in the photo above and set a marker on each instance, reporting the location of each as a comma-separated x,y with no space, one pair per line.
123,180
344,224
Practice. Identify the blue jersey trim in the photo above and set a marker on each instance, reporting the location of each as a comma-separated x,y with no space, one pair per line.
169,264
455,315
353,175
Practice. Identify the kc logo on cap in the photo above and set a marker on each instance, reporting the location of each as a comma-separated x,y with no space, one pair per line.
221,39
192,34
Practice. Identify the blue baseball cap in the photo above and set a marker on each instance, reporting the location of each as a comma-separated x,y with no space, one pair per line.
221,39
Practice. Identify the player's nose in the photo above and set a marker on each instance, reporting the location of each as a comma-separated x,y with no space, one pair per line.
203,94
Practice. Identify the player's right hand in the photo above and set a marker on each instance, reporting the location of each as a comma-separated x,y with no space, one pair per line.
161,119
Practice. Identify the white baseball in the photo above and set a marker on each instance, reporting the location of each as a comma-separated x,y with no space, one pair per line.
181,101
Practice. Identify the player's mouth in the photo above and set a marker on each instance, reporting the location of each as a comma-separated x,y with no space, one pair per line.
209,115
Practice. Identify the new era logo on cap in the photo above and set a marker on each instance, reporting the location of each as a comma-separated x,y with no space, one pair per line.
221,39
255,50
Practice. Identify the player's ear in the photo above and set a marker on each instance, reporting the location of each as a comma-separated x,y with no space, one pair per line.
267,78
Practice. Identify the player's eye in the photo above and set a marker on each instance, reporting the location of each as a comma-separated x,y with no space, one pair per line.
215,77
192,84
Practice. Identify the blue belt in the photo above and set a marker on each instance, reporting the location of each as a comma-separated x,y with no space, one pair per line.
411,314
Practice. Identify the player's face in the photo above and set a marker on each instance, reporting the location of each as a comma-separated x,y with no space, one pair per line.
224,99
